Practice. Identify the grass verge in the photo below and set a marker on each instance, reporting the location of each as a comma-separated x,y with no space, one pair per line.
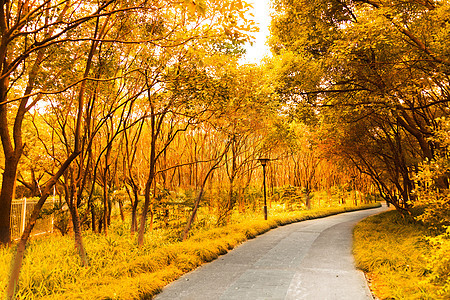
397,257
120,270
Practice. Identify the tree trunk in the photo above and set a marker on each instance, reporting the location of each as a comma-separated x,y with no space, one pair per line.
6,196
134,224
146,207
308,198
155,129
105,208
92,210
200,194
122,215
77,232
196,204
20,252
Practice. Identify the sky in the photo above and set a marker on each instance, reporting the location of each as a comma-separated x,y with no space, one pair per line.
262,17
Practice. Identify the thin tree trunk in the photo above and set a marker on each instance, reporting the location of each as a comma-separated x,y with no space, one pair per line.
200,194
20,250
196,204
155,129
105,208
146,207
93,223
77,233
134,223
122,215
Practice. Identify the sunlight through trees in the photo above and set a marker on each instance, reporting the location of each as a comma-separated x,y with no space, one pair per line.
140,113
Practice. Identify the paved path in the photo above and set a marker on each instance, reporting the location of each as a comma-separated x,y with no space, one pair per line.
305,260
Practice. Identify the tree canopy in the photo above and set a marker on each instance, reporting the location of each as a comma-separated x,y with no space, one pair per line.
380,75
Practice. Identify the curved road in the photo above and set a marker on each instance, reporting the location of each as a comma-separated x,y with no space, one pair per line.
306,260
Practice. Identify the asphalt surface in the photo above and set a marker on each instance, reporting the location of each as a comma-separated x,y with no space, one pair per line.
305,260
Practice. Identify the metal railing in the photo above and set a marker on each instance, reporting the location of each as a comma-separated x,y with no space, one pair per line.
20,212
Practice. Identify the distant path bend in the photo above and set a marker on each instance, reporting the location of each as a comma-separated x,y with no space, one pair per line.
306,260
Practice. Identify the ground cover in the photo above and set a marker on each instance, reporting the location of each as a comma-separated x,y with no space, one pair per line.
402,258
120,270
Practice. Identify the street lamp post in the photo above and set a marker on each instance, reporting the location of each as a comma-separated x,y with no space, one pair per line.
264,162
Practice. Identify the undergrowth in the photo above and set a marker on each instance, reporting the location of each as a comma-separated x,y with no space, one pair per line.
398,256
119,269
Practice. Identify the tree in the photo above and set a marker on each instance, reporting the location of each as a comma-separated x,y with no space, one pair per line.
30,34
380,65
219,155
33,34
176,95
433,199
244,114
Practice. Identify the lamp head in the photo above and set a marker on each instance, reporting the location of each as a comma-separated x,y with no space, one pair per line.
263,161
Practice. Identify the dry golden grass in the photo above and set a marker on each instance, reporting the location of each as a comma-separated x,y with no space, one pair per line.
120,270
393,251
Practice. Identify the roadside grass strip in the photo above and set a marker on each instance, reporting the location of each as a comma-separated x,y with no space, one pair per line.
120,270
399,259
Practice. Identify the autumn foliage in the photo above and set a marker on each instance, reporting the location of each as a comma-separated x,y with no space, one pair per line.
140,111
